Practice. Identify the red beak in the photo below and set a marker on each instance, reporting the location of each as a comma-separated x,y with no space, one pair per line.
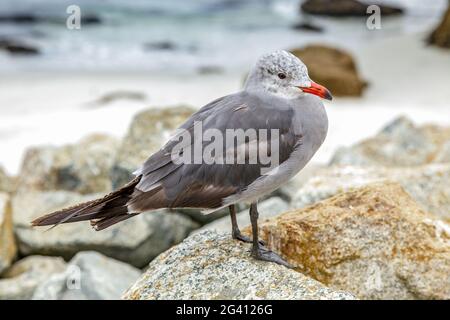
318,90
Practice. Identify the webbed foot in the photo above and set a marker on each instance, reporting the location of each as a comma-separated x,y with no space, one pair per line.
264,254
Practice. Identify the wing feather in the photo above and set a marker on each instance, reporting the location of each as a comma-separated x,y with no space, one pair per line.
206,185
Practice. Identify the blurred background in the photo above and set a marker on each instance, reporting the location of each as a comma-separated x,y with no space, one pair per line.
69,101
159,53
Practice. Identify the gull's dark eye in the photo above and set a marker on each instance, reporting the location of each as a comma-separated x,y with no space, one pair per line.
281,75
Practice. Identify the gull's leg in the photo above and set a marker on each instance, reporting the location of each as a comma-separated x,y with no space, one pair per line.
258,251
235,232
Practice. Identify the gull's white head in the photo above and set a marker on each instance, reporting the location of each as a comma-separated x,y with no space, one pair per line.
281,73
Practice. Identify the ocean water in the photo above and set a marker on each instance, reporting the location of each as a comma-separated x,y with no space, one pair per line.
224,34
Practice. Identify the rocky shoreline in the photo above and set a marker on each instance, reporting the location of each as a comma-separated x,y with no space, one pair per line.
373,224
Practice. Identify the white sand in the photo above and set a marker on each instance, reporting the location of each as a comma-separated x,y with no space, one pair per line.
405,76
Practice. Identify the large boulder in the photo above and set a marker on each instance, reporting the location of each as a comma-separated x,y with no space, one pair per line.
333,68
399,143
374,242
8,248
21,280
149,130
6,182
345,8
88,276
83,167
209,265
428,185
136,241
441,35
267,208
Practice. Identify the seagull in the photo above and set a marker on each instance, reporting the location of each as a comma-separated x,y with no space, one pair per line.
283,107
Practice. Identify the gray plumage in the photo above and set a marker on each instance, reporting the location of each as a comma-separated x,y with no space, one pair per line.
302,124
272,99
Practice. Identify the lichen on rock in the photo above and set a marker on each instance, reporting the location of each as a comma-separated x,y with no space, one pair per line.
209,265
373,241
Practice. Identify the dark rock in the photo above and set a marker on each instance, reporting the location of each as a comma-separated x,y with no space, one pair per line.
17,48
26,18
305,26
344,8
90,19
441,35
19,18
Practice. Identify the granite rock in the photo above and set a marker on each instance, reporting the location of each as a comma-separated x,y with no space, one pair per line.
8,248
399,143
136,241
88,276
209,265
373,241
83,167
21,280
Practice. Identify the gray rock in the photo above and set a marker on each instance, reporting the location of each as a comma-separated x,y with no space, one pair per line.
267,208
400,143
8,248
197,215
20,281
444,153
136,241
209,265
88,276
148,132
428,184
345,8
288,190
6,182
82,167
441,34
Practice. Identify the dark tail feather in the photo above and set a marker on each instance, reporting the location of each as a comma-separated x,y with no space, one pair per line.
103,212
109,221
